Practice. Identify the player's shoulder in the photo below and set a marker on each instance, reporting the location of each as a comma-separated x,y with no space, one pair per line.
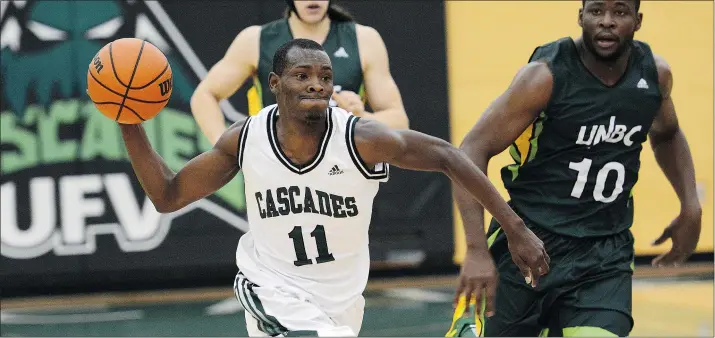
229,142
342,117
373,133
665,74
364,29
265,111
249,33
368,34
245,44
661,64
236,134
645,50
274,24
552,50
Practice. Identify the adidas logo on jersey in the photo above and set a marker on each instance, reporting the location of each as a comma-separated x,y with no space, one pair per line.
642,84
341,53
612,133
335,170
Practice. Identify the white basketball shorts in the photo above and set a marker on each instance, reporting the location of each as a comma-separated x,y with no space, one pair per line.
275,312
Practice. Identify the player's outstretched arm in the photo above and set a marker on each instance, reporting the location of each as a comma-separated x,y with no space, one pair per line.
200,177
499,126
413,150
673,156
417,151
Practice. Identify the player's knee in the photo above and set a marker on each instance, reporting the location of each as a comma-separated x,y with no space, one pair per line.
587,331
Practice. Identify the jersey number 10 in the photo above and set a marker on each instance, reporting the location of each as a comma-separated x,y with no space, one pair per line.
321,242
584,167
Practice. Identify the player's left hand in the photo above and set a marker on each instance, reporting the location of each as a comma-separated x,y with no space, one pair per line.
684,232
478,279
350,101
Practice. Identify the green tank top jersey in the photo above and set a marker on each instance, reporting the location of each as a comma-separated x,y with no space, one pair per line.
341,45
576,165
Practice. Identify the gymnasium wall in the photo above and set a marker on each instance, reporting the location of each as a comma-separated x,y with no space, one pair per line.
488,41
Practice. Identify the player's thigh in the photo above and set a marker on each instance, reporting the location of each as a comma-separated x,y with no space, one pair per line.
252,326
352,317
277,312
592,323
598,308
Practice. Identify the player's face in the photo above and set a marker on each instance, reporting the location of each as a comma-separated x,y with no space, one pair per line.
306,84
311,11
609,27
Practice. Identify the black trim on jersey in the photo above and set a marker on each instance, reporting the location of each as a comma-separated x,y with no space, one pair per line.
370,174
273,140
242,142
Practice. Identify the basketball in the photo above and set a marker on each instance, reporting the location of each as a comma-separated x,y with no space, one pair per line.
129,80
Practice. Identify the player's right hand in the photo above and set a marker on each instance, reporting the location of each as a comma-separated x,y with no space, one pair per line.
477,281
529,254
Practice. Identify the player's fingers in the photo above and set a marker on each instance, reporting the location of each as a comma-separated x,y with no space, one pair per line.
460,289
478,296
521,265
340,99
544,264
350,95
673,258
663,237
523,268
471,291
546,256
663,259
535,270
679,259
490,290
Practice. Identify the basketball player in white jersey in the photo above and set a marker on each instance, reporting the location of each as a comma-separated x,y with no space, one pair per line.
311,173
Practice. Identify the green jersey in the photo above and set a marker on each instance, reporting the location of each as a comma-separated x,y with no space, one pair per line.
341,45
576,165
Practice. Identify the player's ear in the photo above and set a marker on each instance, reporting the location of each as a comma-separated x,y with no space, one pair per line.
639,21
273,82
580,17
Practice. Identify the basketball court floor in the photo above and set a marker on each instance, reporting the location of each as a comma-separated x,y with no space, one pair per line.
667,303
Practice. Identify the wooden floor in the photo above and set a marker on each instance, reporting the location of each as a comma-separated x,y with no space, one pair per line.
666,303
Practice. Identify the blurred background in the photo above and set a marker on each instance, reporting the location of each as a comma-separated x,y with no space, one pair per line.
85,254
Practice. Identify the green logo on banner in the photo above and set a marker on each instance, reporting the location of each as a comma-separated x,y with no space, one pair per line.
65,173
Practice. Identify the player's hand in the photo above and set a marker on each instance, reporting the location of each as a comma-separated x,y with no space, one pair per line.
529,254
684,232
478,280
349,101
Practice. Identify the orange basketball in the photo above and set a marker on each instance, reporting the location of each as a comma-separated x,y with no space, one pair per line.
129,80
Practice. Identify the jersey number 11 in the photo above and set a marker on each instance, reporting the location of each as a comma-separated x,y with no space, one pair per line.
321,242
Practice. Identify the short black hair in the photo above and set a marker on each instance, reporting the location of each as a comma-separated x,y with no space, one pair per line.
280,61
638,4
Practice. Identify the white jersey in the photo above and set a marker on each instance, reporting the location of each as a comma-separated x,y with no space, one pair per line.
308,225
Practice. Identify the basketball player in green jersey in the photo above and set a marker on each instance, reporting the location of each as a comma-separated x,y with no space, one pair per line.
575,117
357,52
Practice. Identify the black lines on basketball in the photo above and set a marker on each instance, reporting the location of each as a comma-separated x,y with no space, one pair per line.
120,94
114,69
116,104
134,71
154,79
